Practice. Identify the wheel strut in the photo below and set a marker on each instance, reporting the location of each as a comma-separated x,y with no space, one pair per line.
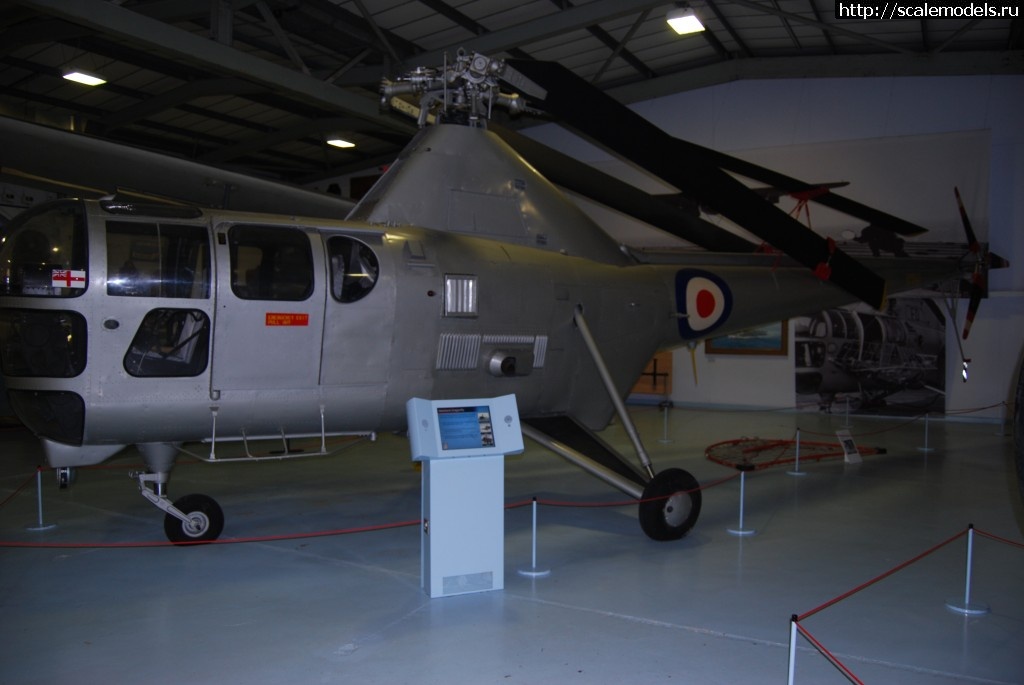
193,518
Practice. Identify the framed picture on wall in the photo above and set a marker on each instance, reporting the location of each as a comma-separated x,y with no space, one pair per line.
769,339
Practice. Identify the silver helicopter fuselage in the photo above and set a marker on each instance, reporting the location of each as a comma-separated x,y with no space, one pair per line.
463,273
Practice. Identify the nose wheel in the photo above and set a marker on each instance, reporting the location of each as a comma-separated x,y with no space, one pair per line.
202,520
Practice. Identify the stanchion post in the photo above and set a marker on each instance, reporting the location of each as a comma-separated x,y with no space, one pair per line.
967,607
39,504
666,405
792,649
533,571
926,447
743,479
796,467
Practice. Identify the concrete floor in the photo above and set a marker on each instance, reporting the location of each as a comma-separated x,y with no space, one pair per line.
616,607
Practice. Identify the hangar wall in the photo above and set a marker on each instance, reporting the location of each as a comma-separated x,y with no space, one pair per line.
973,123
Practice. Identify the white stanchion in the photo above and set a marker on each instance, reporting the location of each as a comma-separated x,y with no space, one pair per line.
926,448
792,649
966,606
740,530
533,571
796,466
664,423
39,505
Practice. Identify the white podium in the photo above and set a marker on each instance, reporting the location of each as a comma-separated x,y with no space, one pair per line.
462,444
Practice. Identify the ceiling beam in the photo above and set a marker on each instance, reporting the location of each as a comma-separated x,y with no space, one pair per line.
182,46
831,28
823,66
175,97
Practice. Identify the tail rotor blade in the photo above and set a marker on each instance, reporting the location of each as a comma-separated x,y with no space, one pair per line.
972,240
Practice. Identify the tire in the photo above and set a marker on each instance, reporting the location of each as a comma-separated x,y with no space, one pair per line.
670,505
206,517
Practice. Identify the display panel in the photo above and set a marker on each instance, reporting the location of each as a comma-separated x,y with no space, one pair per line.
467,427
464,428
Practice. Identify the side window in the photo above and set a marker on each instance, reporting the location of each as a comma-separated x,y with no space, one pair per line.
270,263
43,252
354,268
170,342
147,259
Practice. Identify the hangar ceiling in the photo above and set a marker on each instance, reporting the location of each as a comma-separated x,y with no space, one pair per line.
256,85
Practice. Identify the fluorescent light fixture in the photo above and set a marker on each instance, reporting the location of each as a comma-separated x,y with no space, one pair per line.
339,142
683,21
84,77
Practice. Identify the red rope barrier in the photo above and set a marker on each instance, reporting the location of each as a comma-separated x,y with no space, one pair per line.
828,655
19,489
326,533
876,579
222,541
1005,541
831,657
954,412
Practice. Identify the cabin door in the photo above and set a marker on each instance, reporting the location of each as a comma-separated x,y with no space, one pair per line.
269,311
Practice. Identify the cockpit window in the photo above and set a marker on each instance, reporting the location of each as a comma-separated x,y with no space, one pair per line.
44,252
354,268
270,263
146,259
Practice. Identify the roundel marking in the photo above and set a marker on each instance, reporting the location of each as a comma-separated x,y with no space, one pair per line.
703,300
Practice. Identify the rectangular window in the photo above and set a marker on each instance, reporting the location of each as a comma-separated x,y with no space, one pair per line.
270,263
147,259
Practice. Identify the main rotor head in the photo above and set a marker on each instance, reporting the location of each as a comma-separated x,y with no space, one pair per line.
463,91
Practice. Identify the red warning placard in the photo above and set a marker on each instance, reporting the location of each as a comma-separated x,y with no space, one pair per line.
287,319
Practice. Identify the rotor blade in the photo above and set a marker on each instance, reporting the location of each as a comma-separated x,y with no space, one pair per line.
977,292
692,169
830,200
584,179
972,240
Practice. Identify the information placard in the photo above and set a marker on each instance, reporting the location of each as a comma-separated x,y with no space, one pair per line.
461,428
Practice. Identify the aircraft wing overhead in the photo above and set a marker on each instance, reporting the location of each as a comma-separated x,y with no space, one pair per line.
78,165
699,172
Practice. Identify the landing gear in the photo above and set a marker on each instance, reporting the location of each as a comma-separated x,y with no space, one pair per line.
65,477
670,505
203,521
193,518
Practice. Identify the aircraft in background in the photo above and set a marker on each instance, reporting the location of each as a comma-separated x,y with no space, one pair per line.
464,272
871,356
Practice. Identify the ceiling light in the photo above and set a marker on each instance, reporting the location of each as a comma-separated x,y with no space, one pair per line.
84,77
339,142
683,21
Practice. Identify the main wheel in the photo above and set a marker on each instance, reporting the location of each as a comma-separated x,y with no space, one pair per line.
670,505
205,520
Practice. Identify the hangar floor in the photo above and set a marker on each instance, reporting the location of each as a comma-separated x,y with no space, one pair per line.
616,608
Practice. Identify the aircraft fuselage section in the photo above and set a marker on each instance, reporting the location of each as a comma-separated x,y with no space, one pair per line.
125,325
177,328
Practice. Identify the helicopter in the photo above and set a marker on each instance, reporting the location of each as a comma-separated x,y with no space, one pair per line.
465,271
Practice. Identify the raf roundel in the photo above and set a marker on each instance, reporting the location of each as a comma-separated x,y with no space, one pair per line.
703,300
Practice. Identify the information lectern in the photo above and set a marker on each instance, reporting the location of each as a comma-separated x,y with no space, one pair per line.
462,444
